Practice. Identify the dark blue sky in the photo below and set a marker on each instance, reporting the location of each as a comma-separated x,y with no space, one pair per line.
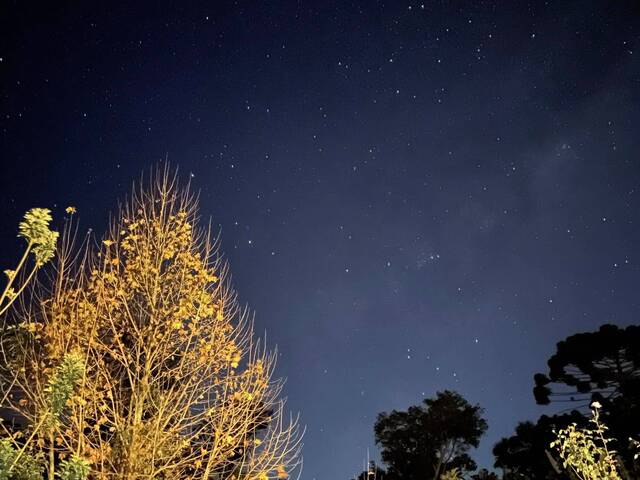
412,196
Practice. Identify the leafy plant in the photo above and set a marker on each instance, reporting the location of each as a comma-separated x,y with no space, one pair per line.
41,242
34,228
586,451
452,474
27,468
75,468
63,382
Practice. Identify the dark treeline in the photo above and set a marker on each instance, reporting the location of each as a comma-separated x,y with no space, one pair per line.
432,440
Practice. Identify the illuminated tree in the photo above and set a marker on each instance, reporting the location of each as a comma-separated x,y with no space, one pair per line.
138,363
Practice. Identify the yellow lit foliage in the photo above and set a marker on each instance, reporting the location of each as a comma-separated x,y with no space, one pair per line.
585,452
453,474
173,386
41,243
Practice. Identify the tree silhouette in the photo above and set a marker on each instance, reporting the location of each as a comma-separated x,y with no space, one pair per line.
525,454
602,365
484,474
430,438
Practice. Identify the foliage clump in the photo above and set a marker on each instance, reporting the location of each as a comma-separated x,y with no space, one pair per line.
75,468
586,452
14,466
62,383
41,242
429,439
34,228
452,474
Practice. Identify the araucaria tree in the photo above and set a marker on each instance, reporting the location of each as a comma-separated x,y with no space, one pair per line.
602,366
136,362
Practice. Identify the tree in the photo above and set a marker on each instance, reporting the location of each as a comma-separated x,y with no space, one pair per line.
526,454
596,366
602,366
136,361
429,439
484,474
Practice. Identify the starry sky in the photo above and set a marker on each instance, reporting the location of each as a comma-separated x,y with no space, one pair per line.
412,196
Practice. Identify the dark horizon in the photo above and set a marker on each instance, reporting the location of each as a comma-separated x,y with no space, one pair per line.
413,197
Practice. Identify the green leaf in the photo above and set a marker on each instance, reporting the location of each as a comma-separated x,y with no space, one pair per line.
34,228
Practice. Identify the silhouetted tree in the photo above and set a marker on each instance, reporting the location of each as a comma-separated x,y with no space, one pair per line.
484,474
430,438
603,366
525,454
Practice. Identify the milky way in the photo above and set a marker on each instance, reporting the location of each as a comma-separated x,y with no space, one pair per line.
412,196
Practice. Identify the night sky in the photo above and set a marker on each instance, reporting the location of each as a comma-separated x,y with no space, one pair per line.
413,197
